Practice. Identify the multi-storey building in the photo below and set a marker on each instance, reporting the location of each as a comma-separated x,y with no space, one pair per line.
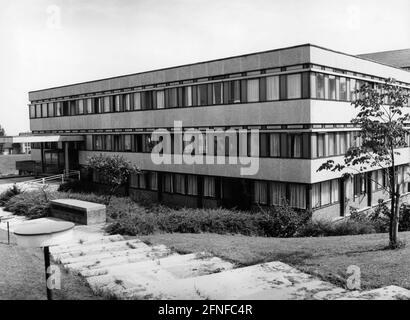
299,98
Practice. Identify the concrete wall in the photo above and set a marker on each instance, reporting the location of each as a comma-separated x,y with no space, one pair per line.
179,200
291,170
280,112
143,195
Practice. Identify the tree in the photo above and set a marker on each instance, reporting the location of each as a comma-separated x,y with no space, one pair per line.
115,171
382,122
2,134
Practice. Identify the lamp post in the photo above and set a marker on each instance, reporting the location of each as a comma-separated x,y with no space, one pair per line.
43,234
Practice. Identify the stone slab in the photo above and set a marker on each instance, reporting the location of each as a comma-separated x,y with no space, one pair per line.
82,212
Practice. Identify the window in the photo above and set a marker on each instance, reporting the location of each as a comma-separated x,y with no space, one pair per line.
277,193
320,145
332,87
127,102
81,106
98,143
297,193
264,145
146,100
325,193
342,142
335,190
153,180
107,104
32,111
332,144
59,109
90,106
187,93
192,185
233,91
343,89
38,110
160,99
137,101
272,88
108,143
316,195
117,103
44,110
295,145
202,95
217,94
179,183
51,109
359,185
253,90
352,93
138,180
171,98
127,142
261,192
320,86
118,142
380,179
209,187
274,145
146,143
167,183
294,86
73,107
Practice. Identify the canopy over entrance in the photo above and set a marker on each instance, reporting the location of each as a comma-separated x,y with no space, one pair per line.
40,138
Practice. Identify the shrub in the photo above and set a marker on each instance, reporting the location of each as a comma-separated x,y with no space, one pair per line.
325,228
78,186
35,204
31,204
404,224
8,194
132,219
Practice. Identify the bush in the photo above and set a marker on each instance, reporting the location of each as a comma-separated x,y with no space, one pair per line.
77,186
35,204
129,218
325,228
8,194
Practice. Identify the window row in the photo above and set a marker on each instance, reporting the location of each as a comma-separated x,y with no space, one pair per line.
185,184
283,87
277,193
274,145
271,88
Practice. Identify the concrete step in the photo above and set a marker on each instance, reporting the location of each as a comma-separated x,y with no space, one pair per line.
80,243
105,255
267,281
98,265
100,248
149,277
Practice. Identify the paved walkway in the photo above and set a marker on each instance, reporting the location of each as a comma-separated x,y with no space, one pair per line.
130,269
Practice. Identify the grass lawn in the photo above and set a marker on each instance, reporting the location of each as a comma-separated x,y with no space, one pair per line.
22,276
326,257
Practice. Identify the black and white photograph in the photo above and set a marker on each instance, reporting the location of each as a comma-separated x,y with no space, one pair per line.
214,152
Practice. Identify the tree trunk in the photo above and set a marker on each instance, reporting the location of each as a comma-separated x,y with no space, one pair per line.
394,241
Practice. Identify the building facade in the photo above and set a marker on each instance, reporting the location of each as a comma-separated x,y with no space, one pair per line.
297,98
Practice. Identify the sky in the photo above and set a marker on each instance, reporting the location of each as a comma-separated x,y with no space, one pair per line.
48,43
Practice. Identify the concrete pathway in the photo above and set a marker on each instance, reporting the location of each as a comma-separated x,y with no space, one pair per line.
115,267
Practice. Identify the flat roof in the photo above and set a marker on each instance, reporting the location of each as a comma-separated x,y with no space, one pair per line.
398,58
110,83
